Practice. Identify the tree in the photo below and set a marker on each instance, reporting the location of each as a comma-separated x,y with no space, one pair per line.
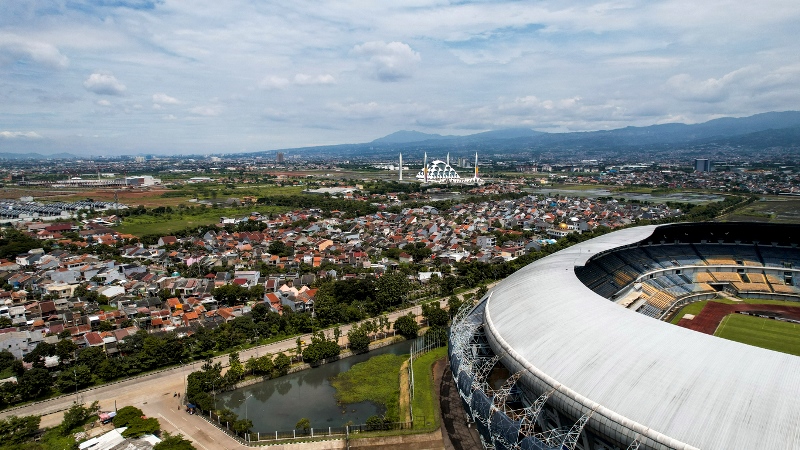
391,290
132,417
75,377
16,430
65,350
5,322
407,326
43,349
230,294
320,348
263,365
35,383
91,356
277,247
303,424
108,369
75,416
358,338
6,359
481,292
377,423
174,442
453,305
141,427
242,425
236,370
227,416
281,364
126,415
436,316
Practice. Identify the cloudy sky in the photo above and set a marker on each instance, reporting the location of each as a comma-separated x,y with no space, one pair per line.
211,76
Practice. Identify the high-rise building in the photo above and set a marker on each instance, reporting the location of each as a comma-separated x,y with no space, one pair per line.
702,165
281,159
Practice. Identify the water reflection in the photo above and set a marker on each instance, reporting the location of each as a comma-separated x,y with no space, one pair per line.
278,404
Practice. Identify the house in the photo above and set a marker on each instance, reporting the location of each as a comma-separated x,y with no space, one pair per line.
167,240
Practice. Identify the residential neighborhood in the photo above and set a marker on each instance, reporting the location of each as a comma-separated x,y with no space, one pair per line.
97,299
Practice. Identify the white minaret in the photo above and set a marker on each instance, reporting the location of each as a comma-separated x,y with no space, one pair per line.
425,166
476,165
401,167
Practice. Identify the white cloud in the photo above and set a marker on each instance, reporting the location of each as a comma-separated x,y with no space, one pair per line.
15,47
104,83
206,111
389,62
20,135
164,99
550,65
302,79
712,90
274,82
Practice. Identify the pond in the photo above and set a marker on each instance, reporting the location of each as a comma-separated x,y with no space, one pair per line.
277,405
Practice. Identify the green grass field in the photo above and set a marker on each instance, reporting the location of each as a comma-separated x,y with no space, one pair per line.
696,307
426,399
169,223
376,379
765,333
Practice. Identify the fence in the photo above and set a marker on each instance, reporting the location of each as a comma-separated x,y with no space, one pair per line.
258,438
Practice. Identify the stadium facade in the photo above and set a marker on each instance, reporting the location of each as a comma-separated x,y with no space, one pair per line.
568,352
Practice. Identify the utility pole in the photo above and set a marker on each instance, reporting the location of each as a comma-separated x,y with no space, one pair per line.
75,374
245,405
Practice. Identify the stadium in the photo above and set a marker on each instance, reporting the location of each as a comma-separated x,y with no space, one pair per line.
572,351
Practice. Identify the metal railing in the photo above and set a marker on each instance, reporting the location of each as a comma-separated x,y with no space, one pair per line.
259,438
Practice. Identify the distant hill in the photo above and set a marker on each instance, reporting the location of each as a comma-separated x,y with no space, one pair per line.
772,129
406,136
37,156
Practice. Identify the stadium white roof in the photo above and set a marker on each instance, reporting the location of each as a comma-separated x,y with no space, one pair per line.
698,389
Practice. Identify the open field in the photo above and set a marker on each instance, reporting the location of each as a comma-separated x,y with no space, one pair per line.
425,405
169,223
152,196
760,332
773,209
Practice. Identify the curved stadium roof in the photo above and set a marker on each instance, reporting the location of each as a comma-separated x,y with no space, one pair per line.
678,384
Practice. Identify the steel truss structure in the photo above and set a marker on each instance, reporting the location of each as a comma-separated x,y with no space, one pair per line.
499,414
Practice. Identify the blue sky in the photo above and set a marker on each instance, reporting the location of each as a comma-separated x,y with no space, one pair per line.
209,76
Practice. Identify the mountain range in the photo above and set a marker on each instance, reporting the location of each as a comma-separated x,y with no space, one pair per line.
725,127
746,134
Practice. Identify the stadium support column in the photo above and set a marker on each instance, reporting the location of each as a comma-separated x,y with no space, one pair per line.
401,167
571,439
448,159
476,165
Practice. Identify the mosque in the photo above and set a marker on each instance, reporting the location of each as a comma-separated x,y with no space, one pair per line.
438,171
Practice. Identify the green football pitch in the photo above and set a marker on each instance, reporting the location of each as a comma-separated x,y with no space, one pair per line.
765,333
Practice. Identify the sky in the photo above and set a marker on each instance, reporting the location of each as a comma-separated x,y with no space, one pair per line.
114,77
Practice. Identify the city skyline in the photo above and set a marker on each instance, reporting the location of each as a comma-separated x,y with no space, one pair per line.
114,77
